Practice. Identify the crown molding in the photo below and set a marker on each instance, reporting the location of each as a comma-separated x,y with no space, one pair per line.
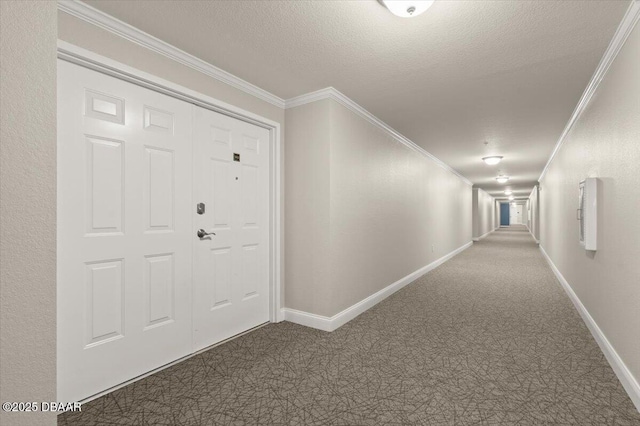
115,26
622,33
107,22
334,94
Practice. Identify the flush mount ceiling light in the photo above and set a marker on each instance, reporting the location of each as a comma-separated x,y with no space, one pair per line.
511,198
507,192
493,160
502,179
407,8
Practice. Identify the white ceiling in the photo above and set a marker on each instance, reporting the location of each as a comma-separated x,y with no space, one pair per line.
463,73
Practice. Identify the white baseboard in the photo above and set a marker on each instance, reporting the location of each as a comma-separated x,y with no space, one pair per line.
482,236
534,237
333,323
629,382
308,320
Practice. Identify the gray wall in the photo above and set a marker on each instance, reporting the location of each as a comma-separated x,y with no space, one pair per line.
307,207
604,143
387,211
483,213
28,207
393,211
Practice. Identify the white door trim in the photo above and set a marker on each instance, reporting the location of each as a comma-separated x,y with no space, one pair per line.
88,59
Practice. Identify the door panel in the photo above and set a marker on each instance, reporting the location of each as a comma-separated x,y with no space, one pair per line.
124,231
158,196
104,319
516,214
504,214
159,289
231,270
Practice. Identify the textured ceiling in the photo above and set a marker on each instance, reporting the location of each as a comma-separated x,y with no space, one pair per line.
463,73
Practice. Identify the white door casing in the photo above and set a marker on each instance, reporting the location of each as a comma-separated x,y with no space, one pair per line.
127,224
124,227
231,268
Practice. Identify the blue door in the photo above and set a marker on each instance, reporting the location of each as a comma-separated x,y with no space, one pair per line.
504,214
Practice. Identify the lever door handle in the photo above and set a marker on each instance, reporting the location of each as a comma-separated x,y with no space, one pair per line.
202,233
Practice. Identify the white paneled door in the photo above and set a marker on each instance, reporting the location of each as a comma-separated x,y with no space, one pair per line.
231,268
516,214
137,288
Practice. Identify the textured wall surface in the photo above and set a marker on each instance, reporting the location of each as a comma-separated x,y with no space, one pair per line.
474,213
28,207
363,210
483,213
393,211
603,143
307,207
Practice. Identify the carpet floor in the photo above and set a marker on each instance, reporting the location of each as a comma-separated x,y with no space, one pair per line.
487,338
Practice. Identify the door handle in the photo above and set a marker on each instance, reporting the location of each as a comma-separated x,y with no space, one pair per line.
202,233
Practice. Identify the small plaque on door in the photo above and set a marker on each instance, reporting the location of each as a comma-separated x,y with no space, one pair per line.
236,156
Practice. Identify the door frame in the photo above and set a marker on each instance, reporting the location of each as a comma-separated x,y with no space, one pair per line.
85,58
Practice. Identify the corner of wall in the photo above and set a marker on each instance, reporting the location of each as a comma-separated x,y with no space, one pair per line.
307,142
28,192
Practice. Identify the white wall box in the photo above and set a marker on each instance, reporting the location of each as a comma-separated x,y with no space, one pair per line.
587,213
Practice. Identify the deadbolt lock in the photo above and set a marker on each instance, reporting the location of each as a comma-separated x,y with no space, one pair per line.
200,208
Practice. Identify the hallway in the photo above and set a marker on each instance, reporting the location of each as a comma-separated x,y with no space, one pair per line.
489,337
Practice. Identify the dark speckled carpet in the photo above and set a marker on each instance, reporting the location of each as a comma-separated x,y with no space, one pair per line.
488,338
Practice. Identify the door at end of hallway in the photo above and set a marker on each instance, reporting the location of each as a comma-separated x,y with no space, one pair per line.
504,214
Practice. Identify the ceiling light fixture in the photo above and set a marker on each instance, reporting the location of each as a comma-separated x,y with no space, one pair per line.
502,179
511,198
507,192
407,8
493,160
